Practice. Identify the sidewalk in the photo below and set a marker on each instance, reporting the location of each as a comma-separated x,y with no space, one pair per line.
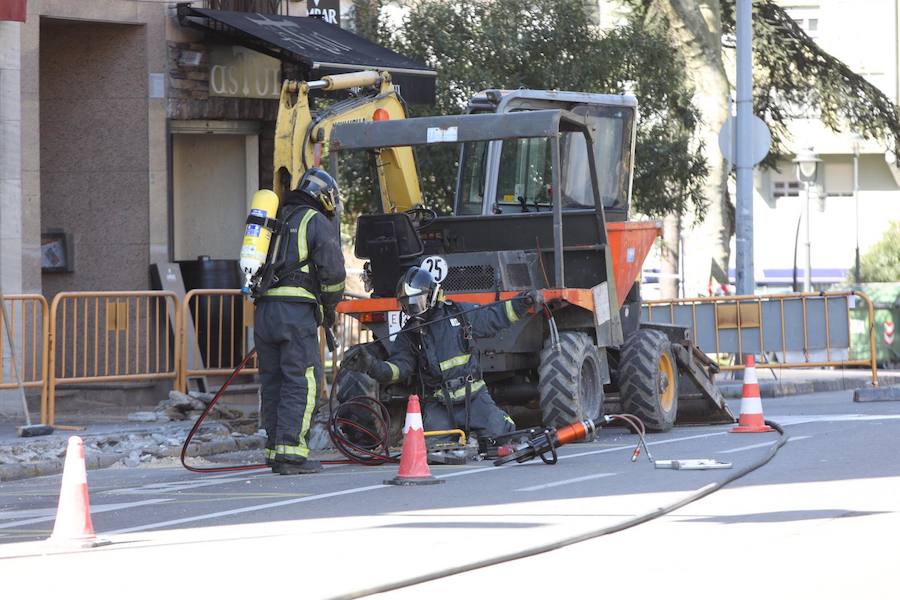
790,382
116,436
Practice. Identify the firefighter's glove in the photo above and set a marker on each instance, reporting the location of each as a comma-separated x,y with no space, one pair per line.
328,317
358,359
533,298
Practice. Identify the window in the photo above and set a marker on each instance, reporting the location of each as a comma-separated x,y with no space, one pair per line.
524,177
839,179
524,181
474,159
806,17
785,189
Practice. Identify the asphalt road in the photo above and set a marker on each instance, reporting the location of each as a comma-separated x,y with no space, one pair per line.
820,519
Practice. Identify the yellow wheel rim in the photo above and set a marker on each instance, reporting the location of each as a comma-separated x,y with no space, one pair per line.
666,382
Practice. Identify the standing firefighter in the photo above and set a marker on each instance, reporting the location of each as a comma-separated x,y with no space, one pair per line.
443,354
307,284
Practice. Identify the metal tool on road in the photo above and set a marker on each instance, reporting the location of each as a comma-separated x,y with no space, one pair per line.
543,443
692,464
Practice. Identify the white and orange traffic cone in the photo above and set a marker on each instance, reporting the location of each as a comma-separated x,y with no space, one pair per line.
413,462
751,420
73,525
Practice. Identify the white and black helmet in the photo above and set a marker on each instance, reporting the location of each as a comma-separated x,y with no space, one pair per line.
417,291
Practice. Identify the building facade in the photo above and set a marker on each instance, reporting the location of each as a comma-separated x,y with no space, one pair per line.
135,132
846,210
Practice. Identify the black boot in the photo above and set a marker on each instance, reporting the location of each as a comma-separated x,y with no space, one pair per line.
300,467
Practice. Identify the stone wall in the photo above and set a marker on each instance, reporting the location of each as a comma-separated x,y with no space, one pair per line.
94,153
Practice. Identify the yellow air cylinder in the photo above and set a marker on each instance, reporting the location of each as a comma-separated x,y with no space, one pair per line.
257,237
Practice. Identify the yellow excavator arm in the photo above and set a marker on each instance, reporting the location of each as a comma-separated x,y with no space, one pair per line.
301,139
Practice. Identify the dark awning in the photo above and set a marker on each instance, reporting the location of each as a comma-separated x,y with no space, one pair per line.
321,47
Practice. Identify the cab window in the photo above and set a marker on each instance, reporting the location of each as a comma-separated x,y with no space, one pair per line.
472,180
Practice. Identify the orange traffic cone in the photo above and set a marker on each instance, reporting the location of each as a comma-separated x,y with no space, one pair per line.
73,525
751,420
413,463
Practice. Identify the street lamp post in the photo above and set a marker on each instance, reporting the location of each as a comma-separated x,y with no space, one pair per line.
807,164
856,268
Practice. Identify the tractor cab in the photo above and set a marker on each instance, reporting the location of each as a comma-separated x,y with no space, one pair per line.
514,176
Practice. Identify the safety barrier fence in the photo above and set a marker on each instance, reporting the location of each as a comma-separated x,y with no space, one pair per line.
30,329
222,335
797,330
102,337
105,337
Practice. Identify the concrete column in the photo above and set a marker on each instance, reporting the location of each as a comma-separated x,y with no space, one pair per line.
10,158
10,189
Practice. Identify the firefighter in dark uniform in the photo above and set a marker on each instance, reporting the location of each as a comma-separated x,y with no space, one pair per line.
444,356
308,282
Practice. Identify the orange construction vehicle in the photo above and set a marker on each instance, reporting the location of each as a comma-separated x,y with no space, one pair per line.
541,201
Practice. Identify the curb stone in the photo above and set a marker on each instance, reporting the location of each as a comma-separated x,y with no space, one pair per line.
775,389
102,460
887,393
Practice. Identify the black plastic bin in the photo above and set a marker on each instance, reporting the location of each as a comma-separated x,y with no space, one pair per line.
219,319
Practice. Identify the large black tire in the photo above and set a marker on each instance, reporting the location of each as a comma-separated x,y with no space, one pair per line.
570,380
648,379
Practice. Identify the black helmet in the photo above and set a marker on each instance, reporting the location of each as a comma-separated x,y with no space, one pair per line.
321,187
417,291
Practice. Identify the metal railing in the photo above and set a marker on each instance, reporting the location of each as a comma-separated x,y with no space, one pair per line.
219,338
725,326
98,337
101,337
349,332
30,329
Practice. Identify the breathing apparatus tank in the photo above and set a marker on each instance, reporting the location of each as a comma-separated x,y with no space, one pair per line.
261,224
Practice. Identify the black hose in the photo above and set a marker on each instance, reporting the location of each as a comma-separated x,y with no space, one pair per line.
568,541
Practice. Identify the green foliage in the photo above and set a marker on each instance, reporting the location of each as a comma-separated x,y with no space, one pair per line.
882,261
549,44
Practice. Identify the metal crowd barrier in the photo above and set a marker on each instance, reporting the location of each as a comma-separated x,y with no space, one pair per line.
726,326
99,337
96,337
222,334
220,337
349,333
30,329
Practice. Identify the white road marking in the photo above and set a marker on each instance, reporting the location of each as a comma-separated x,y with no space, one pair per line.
799,420
97,508
175,486
258,507
565,482
246,509
166,487
762,445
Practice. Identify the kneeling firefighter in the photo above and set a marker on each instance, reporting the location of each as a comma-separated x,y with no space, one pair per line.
304,284
444,355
